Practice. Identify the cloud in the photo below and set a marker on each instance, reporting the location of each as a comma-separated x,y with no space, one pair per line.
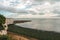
33,7
14,6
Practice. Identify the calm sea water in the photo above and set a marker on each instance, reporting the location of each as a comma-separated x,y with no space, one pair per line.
46,24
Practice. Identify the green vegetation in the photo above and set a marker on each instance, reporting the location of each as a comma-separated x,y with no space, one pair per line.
1,27
39,34
5,37
2,21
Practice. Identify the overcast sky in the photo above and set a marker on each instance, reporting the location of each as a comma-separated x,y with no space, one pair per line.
30,8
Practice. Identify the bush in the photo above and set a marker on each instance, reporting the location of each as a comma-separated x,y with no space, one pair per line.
2,21
1,27
5,37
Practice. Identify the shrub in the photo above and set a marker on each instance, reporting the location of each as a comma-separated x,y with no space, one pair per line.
2,21
5,37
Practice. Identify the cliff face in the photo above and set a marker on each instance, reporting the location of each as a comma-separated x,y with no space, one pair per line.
19,37
12,21
9,21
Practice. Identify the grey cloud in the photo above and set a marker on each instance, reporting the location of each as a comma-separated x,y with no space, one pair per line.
13,10
47,0
35,4
7,9
55,0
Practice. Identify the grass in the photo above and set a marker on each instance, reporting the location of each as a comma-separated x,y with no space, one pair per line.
5,37
39,34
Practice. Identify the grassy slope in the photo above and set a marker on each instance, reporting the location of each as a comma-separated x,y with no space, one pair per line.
43,35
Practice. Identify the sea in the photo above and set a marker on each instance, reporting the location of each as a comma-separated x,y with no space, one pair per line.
45,24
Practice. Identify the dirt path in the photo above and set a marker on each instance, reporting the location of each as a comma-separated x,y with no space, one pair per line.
19,37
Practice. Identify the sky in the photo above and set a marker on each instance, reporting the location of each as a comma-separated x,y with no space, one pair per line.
30,8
